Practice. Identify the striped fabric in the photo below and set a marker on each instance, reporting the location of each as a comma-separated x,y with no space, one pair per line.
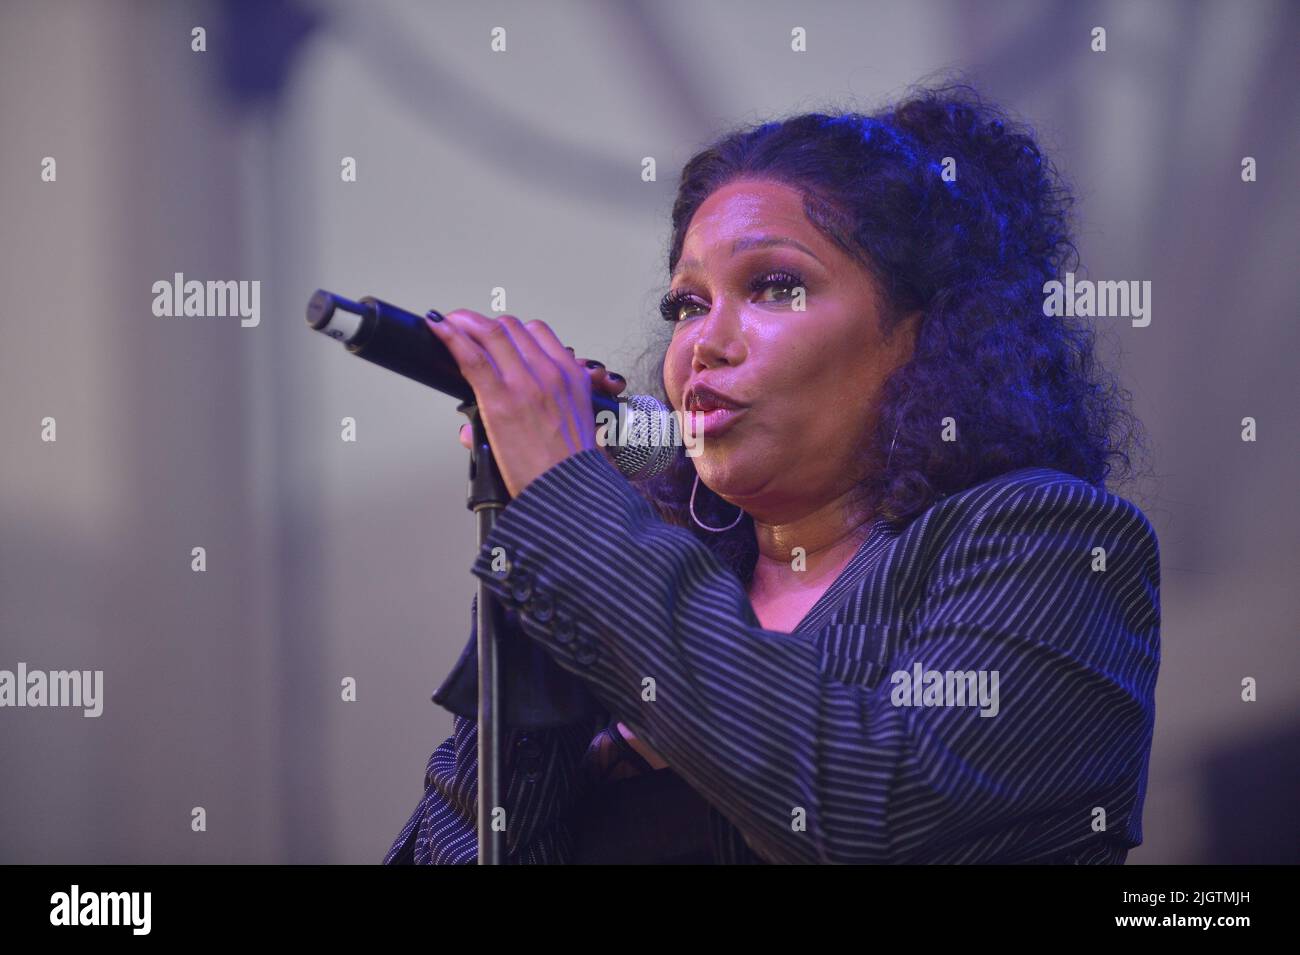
806,745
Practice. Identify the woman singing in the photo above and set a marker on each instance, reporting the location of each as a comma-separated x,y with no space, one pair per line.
890,612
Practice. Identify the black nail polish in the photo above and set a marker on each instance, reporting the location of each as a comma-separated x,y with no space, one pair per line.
595,364
614,375
433,316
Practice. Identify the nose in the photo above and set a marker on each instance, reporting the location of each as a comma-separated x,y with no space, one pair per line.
719,339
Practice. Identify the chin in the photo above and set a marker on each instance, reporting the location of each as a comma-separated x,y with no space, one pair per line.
733,472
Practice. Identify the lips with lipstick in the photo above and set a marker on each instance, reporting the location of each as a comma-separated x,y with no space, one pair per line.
709,411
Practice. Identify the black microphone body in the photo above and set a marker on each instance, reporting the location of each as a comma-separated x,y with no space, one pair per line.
399,340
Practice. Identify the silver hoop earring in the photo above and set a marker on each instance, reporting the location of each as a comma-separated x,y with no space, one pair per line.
716,530
897,426
891,446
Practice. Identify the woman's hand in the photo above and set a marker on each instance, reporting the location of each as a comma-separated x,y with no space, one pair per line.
609,382
649,755
532,393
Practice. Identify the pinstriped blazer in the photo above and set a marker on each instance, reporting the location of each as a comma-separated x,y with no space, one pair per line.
849,740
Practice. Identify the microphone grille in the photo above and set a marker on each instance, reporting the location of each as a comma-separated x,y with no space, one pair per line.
649,434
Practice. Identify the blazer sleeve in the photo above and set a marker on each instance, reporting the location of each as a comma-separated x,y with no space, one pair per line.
811,768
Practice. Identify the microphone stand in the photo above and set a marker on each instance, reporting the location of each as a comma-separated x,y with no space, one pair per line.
540,694
487,496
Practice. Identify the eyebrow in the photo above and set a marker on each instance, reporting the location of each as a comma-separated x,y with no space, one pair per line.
745,243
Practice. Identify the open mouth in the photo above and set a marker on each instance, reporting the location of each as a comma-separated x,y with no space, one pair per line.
713,421
709,412
704,399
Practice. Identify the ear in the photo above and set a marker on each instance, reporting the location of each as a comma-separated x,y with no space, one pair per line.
908,325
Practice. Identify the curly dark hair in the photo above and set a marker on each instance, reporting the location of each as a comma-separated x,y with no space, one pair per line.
972,255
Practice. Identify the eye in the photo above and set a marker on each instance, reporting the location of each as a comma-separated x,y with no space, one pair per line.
672,304
778,279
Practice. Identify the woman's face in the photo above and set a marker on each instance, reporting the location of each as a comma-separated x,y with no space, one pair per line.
807,380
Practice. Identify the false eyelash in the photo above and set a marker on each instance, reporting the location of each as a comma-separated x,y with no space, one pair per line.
670,304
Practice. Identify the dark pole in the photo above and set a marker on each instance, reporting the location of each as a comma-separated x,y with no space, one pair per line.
487,496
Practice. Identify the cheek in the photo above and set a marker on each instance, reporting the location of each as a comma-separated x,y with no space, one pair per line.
832,368
677,368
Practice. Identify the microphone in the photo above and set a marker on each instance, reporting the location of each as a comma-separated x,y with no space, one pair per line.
642,445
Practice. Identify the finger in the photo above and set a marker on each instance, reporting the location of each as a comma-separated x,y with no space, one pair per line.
562,355
579,363
539,364
556,374
467,436
519,362
601,377
616,382
579,390
595,370
475,362
548,359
